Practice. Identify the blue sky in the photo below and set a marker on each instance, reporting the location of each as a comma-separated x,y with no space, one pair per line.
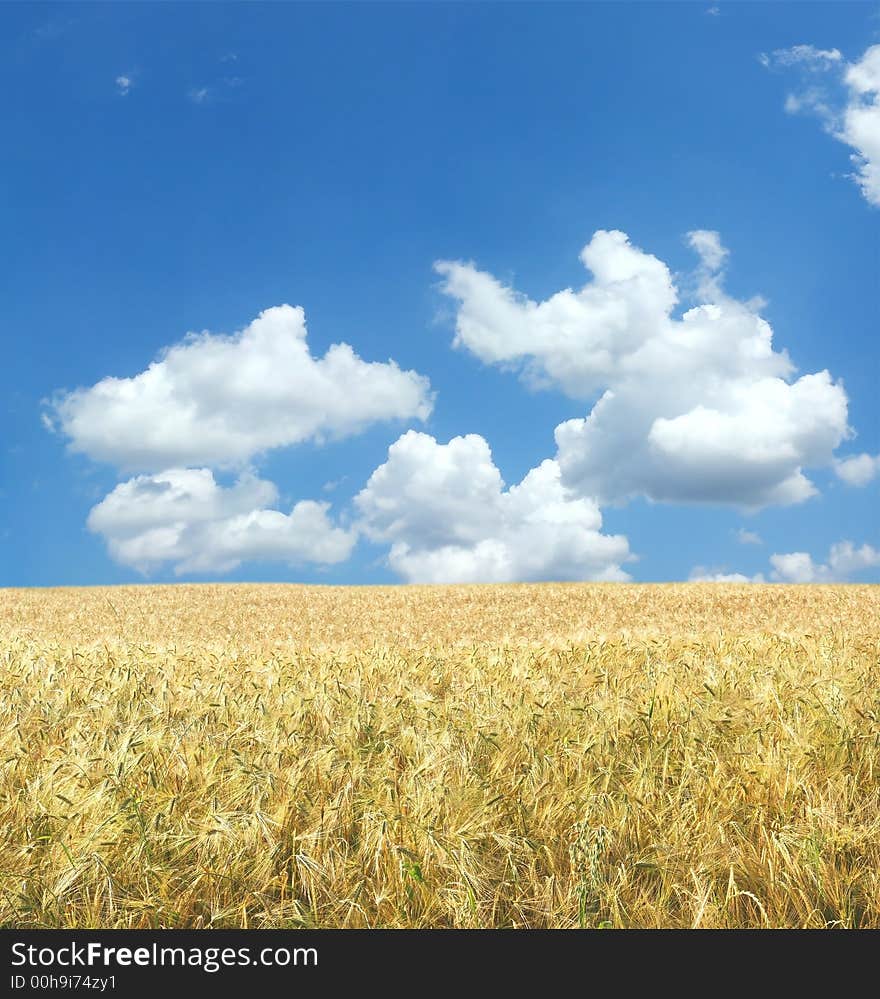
180,169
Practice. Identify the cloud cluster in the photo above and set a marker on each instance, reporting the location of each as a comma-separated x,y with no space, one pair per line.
447,516
693,409
844,560
852,117
181,517
690,407
221,400
217,402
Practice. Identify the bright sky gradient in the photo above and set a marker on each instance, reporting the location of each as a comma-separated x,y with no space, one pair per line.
372,293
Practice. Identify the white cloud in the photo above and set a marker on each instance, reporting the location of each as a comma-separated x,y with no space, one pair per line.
575,340
448,518
748,537
861,122
814,100
852,118
700,574
182,517
706,243
713,11
696,409
199,95
220,400
858,469
796,567
123,85
805,56
844,560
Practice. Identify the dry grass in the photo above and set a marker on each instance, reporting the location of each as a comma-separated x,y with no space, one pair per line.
522,756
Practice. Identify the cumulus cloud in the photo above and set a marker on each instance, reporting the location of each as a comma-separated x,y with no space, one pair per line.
693,409
183,518
220,400
123,85
844,560
448,517
849,110
796,567
575,340
858,469
861,122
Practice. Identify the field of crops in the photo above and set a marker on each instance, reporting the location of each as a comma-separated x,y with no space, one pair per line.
474,756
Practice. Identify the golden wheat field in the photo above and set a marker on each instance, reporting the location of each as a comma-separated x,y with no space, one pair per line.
550,755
